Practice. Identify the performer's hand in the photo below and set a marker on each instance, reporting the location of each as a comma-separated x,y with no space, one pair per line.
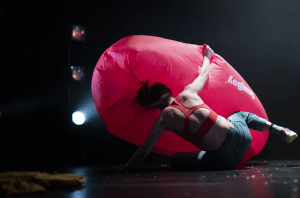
118,167
208,52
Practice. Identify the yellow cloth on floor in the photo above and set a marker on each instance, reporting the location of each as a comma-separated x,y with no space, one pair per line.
19,182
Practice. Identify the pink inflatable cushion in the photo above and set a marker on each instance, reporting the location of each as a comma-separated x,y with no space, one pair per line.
134,59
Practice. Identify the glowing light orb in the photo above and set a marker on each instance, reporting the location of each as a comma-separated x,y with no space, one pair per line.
77,73
78,33
78,118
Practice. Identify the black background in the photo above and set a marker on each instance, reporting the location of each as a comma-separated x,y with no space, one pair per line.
259,38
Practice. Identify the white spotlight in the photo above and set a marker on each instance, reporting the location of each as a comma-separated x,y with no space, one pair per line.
78,117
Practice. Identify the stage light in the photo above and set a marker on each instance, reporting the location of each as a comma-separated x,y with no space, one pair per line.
78,118
77,73
78,33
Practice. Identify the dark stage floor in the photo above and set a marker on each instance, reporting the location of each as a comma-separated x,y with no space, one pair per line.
265,178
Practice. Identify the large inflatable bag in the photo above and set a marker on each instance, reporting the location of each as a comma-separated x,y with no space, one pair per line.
134,59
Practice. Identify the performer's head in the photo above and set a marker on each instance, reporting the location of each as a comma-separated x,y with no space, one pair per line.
158,96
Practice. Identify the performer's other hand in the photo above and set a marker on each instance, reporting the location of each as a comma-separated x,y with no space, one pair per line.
208,52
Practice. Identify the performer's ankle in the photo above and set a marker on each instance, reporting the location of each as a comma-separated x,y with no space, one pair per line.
267,126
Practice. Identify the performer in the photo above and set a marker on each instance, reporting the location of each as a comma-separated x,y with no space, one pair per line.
223,142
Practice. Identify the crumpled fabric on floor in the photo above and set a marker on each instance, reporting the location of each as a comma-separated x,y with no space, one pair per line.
24,182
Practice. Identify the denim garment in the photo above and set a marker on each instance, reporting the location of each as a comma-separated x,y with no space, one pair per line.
229,155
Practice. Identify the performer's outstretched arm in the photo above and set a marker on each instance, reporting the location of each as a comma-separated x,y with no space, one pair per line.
158,128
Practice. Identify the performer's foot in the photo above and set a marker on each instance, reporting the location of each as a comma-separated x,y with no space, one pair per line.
288,135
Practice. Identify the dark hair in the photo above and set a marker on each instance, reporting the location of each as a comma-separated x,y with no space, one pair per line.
155,97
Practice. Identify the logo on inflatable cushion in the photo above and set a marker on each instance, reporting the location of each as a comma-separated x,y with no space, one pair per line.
240,86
